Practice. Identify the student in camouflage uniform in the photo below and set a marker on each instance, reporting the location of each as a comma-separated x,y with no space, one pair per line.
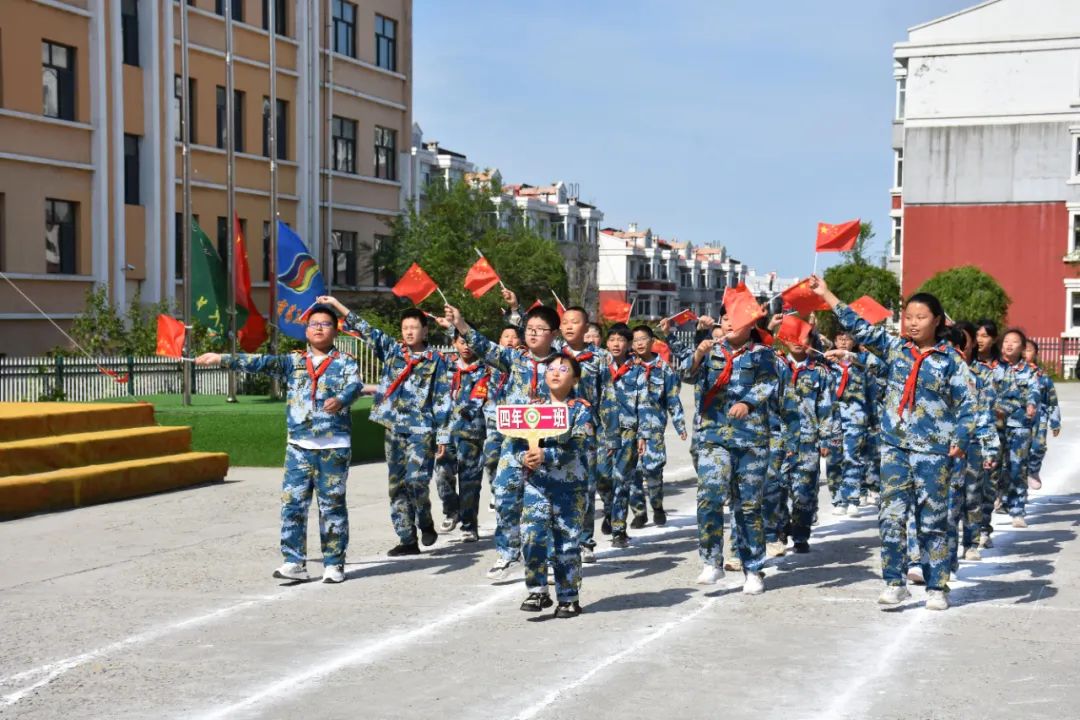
554,501
1007,398
660,400
459,472
413,404
736,378
783,449
510,337
1019,424
929,421
322,383
1049,416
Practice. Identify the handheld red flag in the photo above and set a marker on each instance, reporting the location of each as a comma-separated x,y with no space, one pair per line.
794,330
837,238
615,310
415,284
170,337
766,337
870,310
684,317
800,298
662,349
253,332
742,307
481,278
536,304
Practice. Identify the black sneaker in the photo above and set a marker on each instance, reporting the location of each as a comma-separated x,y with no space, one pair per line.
659,517
568,610
404,549
620,541
801,548
605,526
428,536
536,602
639,521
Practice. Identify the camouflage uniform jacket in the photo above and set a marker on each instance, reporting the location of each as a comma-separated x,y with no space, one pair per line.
469,388
526,382
1023,390
660,398
726,377
985,402
810,383
1049,409
621,399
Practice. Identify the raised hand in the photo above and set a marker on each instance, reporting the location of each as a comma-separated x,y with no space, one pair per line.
334,303
509,298
208,360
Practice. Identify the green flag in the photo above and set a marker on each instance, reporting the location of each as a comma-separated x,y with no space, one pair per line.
207,284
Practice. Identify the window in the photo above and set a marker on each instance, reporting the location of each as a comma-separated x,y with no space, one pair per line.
344,28
898,168
385,42
281,128
238,119
1074,310
178,84
662,307
178,246
1074,231
897,236
60,236
663,270
385,153
223,236
129,29
703,280
58,80
686,278
644,306
237,9
343,247
280,19
379,273
901,97
131,170
344,144
1076,154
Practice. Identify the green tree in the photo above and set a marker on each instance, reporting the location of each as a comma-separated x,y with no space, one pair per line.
968,293
856,278
441,237
100,328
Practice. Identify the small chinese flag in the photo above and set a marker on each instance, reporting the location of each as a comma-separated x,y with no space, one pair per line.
742,307
415,284
802,299
536,304
766,337
615,311
870,310
794,331
837,238
559,307
684,317
481,278
662,349
170,337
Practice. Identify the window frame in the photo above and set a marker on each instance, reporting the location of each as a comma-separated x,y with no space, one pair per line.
1072,243
388,41
1072,304
343,27
338,239
132,169
64,78
385,161
129,32
337,126
282,129
237,9
178,107
900,111
898,168
281,19
896,236
68,261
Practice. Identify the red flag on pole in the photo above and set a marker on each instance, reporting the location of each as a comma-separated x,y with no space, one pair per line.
615,311
170,337
837,238
415,284
766,337
870,310
253,333
481,278
536,304
662,349
802,299
742,307
559,307
794,330
684,317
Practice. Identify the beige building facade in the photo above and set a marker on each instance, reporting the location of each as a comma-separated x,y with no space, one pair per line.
90,159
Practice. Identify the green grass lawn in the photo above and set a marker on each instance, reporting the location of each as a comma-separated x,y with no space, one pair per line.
252,430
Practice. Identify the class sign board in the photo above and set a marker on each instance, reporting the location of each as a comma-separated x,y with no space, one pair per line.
532,422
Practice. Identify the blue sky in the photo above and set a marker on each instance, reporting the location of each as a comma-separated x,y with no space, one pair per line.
712,121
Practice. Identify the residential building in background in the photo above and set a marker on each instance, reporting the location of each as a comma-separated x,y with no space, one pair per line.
986,150
434,164
90,158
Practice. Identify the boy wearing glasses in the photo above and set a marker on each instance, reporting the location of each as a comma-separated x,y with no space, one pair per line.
321,385
413,404
526,383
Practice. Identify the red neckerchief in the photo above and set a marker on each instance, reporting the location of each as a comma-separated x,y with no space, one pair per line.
315,374
502,384
618,372
410,363
796,369
583,356
907,400
649,367
455,384
725,374
845,375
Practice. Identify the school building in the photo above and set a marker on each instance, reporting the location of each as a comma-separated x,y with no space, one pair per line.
986,144
90,159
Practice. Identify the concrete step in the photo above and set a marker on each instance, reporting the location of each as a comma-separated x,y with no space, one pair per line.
20,421
45,454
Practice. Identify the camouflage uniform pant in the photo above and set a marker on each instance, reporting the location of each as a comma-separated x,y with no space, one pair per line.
551,517
992,480
492,450
458,477
323,472
806,473
1015,471
738,476
774,503
623,458
872,480
649,475
1038,447
507,489
588,523
914,484
853,460
410,459
974,495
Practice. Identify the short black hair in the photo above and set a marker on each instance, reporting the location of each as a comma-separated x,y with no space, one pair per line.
545,313
578,308
622,330
515,328
1033,344
416,314
596,326
575,366
321,309
645,329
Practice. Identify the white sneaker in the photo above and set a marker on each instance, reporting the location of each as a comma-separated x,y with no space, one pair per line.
852,510
937,600
710,575
839,510
972,553
775,549
501,569
449,523
874,499
915,576
893,595
469,536
754,583
333,574
985,541
1034,482
292,571
588,555
1019,522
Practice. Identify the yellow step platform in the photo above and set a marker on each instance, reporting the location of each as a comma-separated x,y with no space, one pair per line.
19,421
43,454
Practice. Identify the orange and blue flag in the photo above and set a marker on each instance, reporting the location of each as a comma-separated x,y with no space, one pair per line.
299,282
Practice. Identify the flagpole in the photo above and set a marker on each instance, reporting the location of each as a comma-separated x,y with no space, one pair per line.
630,312
557,299
185,138
230,190
328,54
275,385
484,258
